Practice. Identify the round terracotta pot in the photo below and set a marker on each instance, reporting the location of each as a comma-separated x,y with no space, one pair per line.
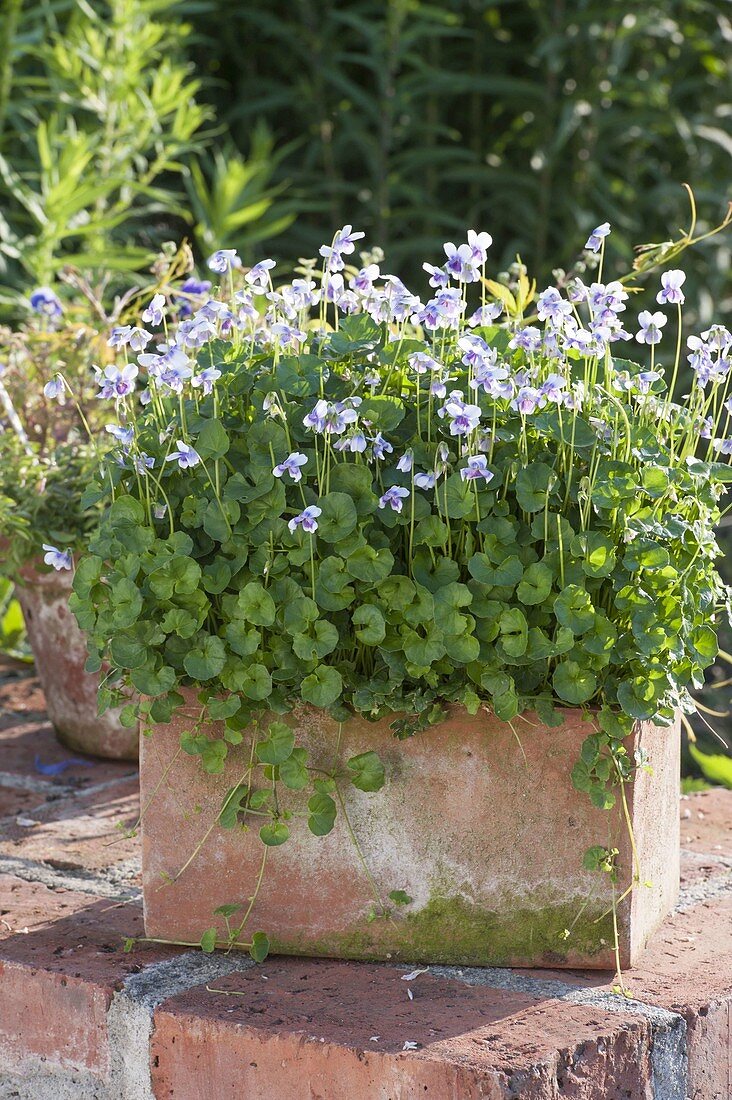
60,654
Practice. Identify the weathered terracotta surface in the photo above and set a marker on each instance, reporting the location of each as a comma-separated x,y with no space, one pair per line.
478,823
60,654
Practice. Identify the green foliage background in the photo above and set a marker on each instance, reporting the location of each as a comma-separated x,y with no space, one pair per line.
533,120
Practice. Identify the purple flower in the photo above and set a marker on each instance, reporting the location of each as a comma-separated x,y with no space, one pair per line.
57,558
185,456
206,379
343,245
364,279
528,400
425,481
123,435
550,306
173,369
155,312
380,447
596,237
192,288
143,463
552,388
650,327
119,336
421,362
331,417
394,497
529,339
307,519
671,292
645,380
355,442
463,418
55,389
223,260
461,262
475,350
477,467
291,466
495,380
405,463
44,301
195,332
442,311
118,383
288,335
479,243
258,277
438,276
138,339
486,314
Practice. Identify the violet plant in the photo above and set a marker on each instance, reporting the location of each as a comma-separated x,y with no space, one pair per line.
334,492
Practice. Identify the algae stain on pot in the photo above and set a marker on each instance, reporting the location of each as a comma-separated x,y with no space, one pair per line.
450,925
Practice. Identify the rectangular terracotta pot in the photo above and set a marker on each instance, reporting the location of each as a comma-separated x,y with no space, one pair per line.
479,825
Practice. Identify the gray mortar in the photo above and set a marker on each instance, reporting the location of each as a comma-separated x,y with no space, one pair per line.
39,1081
130,1017
102,884
38,786
56,794
716,886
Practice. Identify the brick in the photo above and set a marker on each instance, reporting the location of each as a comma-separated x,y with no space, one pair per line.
492,859
61,960
305,1028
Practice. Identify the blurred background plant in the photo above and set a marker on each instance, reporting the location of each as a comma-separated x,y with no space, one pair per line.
100,123
534,121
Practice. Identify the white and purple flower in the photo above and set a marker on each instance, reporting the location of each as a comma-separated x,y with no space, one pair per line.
43,300
155,312
477,468
394,498
116,382
650,327
186,456
597,236
223,260
59,559
291,466
308,519
671,292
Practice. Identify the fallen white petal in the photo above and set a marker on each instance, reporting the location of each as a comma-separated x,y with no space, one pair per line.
414,974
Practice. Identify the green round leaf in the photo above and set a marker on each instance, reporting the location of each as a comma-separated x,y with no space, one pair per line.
274,834
338,517
369,623
366,771
322,687
573,683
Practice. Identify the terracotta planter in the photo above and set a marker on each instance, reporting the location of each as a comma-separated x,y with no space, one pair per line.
486,835
60,653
